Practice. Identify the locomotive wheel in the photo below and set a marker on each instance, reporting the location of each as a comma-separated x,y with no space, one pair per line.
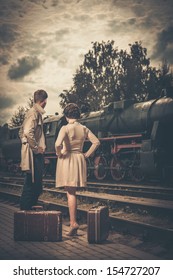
100,165
136,173
117,169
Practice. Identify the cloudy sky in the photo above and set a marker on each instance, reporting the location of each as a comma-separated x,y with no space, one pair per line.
42,42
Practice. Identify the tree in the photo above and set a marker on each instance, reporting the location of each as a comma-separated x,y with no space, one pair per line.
166,79
19,115
30,103
102,65
109,75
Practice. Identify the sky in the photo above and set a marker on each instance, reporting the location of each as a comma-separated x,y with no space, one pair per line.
43,42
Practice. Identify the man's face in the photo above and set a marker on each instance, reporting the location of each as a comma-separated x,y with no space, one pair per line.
43,103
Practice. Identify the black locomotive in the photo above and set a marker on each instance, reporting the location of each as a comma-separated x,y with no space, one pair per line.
136,141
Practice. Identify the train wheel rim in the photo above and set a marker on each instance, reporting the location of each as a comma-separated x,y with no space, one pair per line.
117,169
99,167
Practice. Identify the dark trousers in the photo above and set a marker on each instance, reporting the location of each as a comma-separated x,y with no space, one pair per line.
31,191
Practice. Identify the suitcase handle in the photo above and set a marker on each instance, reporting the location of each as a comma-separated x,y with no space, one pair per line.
37,208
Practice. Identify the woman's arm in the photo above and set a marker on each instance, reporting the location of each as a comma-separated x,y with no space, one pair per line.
59,140
95,143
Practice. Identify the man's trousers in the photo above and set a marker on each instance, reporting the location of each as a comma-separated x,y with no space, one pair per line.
32,190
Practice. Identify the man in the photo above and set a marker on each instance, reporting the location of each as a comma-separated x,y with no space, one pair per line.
33,147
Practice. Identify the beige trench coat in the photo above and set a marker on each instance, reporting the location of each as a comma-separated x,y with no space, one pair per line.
32,137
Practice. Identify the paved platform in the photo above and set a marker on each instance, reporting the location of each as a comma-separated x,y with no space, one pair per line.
70,248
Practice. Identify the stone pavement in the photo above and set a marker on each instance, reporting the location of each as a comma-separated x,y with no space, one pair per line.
70,248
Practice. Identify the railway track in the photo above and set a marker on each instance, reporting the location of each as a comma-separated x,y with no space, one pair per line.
135,191
94,194
148,217
124,189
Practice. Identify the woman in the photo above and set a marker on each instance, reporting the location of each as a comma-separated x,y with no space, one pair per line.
71,164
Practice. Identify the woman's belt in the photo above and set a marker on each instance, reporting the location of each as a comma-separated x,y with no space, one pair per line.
74,152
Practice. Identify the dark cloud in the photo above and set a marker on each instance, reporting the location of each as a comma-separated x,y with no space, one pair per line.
139,10
23,67
164,45
3,60
117,26
55,3
6,101
7,34
6,10
131,21
15,6
32,46
114,26
147,23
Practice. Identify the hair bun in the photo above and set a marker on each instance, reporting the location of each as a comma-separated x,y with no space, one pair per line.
72,111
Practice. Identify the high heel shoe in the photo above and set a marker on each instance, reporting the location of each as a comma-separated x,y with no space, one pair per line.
73,230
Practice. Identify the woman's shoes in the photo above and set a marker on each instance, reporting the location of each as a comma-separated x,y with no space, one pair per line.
73,230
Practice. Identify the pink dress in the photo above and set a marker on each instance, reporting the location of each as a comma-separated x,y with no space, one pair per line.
71,167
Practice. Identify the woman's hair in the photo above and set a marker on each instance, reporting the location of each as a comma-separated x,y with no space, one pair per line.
72,111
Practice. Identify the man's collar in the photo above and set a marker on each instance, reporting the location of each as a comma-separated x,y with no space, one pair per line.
39,108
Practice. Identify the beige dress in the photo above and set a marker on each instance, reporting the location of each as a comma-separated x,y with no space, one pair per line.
71,166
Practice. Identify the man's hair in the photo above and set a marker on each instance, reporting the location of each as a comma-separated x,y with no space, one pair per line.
72,111
40,95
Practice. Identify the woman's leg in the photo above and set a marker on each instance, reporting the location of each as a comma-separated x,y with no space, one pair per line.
72,204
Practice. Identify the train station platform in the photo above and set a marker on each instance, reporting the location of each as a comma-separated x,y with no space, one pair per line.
70,248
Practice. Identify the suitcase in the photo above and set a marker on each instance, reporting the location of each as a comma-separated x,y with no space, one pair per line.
37,225
98,224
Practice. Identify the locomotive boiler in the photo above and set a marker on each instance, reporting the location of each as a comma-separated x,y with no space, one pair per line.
136,140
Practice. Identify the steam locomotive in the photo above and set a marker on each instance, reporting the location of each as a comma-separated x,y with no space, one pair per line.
136,141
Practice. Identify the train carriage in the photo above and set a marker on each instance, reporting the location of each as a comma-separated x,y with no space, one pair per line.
10,149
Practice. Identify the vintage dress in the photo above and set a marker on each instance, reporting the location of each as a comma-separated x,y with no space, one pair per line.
71,167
